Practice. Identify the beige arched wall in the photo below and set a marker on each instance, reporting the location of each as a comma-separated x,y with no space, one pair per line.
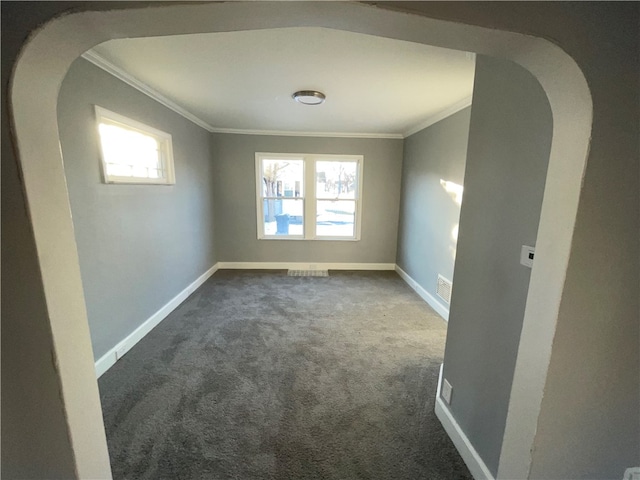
45,61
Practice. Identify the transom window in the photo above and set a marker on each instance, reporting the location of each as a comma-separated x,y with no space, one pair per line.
309,197
132,152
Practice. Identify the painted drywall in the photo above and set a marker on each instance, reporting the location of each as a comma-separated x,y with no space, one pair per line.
33,415
235,190
508,152
139,245
589,422
35,438
603,270
429,215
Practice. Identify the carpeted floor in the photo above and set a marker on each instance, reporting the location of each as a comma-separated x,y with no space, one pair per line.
259,375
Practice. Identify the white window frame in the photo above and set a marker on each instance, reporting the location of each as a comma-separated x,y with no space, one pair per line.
309,197
165,148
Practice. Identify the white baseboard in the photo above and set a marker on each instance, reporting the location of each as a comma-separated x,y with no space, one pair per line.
105,362
111,357
469,454
303,266
426,296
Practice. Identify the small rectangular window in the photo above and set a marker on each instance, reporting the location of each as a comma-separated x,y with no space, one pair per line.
132,152
310,197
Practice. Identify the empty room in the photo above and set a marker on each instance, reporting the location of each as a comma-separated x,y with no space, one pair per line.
307,240
301,348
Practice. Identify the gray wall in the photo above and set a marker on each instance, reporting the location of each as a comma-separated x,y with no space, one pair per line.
139,245
428,214
603,274
591,404
509,144
589,424
235,187
35,436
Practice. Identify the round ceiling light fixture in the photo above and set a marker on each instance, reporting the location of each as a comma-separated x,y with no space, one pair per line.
309,97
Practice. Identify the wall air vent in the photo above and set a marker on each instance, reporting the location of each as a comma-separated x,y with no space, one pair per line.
443,289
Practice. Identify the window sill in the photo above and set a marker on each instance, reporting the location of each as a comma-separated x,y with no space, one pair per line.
140,181
321,239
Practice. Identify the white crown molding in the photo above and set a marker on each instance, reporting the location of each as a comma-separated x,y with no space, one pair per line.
101,62
287,133
441,115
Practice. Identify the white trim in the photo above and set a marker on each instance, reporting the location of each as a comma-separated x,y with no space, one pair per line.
33,91
287,133
471,458
309,197
105,362
164,143
101,62
426,296
260,157
132,124
441,115
303,266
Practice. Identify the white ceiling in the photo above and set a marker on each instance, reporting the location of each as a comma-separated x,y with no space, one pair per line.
244,80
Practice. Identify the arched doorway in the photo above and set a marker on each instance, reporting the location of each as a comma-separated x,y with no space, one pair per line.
45,61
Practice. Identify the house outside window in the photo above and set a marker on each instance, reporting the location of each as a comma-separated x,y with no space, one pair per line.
309,196
132,152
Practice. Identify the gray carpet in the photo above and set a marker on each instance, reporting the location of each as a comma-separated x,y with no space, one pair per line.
259,375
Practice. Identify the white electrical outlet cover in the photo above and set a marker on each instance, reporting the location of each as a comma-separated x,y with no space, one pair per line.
632,473
120,351
447,390
526,255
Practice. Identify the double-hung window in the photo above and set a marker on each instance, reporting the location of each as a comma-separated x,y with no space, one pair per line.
132,152
309,197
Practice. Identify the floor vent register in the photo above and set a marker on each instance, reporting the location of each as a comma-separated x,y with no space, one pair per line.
308,273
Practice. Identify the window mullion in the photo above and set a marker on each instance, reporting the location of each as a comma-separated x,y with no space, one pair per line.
310,198
336,220
259,198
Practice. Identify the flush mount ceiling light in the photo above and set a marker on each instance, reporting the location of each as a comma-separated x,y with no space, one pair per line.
309,97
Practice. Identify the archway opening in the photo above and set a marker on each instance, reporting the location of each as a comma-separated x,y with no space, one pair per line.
35,85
